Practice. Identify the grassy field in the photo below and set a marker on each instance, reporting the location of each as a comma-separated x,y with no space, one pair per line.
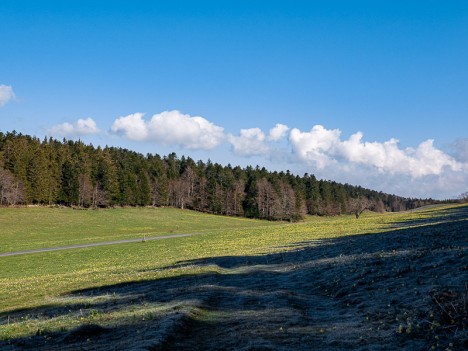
41,227
42,275
40,294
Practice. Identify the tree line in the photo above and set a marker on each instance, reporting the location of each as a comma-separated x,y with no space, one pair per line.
71,173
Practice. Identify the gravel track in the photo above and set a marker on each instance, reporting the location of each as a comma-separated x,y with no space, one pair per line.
80,246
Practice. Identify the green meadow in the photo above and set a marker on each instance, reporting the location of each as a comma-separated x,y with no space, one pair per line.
42,227
44,279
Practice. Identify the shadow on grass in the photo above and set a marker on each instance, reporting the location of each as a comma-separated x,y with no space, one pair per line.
437,216
370,291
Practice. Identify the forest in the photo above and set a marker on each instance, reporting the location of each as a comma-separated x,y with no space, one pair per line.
72,173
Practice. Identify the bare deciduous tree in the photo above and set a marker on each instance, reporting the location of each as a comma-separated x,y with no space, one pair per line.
238,196
99,198
464,197
189,178
12,190
359,205
287,201
379,206
85,190
201,195
266,198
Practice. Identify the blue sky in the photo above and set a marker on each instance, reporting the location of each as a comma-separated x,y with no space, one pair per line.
373,93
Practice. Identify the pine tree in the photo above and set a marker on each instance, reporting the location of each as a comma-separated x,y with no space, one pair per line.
38,174
249,204
69,189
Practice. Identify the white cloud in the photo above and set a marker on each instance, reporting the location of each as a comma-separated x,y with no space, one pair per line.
316,146
278,132
6,94
324,147
421,171
427,160
78,128
171,128
133,126
250,142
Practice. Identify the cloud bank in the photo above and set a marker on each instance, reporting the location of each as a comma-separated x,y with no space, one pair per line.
254,142
421,171
80,127
250,142
171,128
6,94
322,147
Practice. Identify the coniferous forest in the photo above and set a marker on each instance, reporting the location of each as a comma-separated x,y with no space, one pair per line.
71,173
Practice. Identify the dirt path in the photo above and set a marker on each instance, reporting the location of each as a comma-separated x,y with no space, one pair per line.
80,246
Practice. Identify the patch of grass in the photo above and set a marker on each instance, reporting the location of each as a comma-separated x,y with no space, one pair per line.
46,279
42,227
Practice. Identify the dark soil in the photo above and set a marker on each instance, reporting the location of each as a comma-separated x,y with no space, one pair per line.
403,289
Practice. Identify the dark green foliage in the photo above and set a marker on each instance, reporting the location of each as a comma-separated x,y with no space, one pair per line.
250,204
69,185
74,174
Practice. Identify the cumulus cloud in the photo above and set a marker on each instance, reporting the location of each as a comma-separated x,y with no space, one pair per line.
250,142
324,147
6,94
80,127
316,146
278,132
420,171
133,127
171,128
388,157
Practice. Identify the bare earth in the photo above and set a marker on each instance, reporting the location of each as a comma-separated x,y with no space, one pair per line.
404,289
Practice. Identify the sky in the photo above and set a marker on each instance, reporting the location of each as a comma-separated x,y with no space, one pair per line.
370,93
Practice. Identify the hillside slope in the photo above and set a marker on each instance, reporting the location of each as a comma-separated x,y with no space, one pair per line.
404,288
